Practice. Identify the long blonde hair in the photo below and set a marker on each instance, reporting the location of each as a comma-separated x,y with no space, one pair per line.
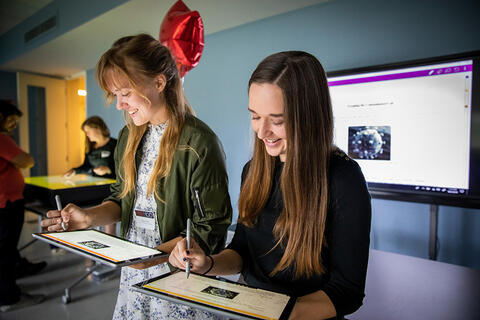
300,228
140,59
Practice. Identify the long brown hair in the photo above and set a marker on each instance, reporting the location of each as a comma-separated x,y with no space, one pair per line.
139,59
300,228
95,122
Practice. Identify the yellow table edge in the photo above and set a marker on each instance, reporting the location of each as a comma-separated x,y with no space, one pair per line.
60,182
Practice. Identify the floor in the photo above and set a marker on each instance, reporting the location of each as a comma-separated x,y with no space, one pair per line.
90,299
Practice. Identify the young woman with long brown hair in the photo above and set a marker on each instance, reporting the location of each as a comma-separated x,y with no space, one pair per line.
304,208
164,158
99,148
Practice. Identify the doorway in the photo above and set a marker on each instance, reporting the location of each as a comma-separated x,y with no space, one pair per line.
37,131
49,105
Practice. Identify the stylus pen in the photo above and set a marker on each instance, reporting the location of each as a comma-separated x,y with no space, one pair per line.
59,208
187,267
198,203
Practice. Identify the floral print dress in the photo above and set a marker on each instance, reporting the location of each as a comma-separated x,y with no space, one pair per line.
131,304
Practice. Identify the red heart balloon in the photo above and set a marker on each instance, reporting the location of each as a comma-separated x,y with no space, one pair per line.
182,32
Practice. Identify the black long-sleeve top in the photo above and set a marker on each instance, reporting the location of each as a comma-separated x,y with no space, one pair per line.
347,235
102,156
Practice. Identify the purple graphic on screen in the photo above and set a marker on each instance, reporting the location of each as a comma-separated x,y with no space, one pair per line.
404,75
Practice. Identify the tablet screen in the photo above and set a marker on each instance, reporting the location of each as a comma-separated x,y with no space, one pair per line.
215,294
101,245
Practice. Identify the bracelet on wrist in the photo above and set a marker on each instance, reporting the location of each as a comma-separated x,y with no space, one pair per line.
211,265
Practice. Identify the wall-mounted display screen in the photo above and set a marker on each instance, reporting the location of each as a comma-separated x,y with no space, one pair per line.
411,127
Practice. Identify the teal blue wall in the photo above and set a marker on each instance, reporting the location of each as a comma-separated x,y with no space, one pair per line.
96,105
8,86
342,34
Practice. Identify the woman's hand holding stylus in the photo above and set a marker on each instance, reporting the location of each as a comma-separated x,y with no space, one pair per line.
74,218
199,263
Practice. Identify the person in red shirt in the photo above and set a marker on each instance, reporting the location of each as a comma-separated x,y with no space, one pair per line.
12,266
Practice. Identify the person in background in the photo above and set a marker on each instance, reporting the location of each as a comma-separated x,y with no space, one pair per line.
165,158
12,265
304,208
99,149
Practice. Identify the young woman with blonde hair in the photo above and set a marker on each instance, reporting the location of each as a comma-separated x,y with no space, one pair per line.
164,158
304,208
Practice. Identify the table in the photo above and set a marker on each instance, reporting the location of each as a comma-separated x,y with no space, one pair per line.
80,189
404,287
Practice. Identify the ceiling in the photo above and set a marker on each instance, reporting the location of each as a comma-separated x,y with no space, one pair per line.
79,49
13,12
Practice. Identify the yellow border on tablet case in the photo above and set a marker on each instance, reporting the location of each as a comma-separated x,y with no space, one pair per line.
76,246
209,303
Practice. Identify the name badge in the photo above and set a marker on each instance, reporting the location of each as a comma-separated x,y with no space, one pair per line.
145,219
105,154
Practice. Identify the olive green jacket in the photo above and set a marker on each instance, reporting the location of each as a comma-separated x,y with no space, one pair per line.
198,167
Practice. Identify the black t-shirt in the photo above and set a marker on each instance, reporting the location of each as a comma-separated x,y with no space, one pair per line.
347,235
102,156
